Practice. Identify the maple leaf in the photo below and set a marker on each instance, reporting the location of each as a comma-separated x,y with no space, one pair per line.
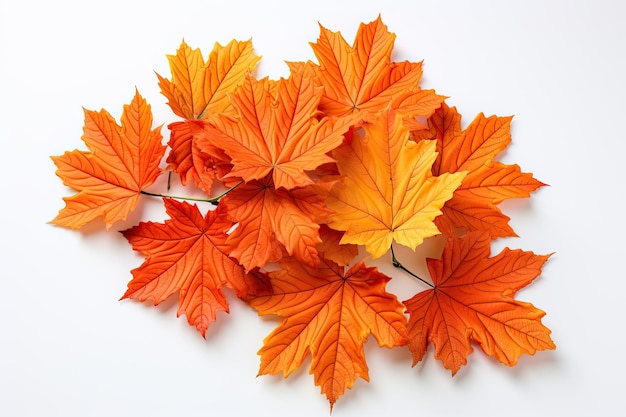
388,193
187,254
329,314
472,299
276,132
122,162
270,220
199,90
362,77
487,183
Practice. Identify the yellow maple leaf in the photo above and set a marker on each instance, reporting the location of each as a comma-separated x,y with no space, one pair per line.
388,193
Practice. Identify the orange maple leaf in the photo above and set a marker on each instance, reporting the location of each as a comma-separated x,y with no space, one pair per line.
388,192
329,314
472,299
199,90
487,183
187,254
277,131
122,162
271,220
362,77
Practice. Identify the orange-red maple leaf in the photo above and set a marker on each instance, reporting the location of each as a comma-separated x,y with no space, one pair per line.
271,220
122,162
487,183
472,299
328,313
187,254
198,90
388,192
277,131
362,77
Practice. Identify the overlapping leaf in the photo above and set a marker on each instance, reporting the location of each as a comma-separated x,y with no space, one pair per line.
488,182
472,300
187,254
332,249
122,162
328,313
277,131
388,193
191,162
198,90
271,221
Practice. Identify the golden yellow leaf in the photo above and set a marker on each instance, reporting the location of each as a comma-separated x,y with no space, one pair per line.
388,193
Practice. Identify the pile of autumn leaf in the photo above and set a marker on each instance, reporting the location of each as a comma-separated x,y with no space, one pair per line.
344,152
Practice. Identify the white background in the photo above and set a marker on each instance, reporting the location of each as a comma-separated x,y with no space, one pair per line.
68,347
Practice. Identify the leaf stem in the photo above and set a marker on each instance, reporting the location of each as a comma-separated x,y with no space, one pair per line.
215,200
212,200
397,264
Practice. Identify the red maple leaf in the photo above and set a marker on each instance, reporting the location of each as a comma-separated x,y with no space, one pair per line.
472,299
187,254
